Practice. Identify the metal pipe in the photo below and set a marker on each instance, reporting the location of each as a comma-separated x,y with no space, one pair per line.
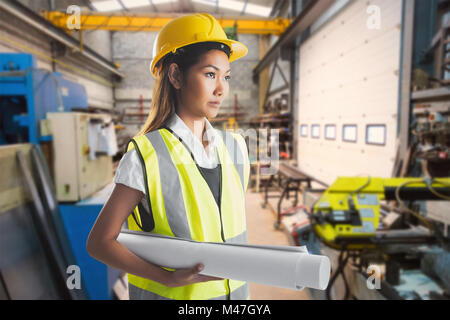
275,8
51,4
16,10
45,232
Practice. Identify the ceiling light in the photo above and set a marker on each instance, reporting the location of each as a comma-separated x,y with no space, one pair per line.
238,6
109,5
129,4
161,1
258,10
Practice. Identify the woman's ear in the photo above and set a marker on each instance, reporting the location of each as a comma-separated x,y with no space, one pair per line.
175,76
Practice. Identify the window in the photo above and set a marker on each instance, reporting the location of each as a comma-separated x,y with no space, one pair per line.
304,130
330,132
240,6
114,5
376,134
349,133
315,131
109,5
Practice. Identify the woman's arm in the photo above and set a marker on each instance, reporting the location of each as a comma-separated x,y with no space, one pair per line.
102,243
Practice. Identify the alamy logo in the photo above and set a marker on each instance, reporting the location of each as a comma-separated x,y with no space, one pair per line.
374,279
374,19
74,279
73,21
263,145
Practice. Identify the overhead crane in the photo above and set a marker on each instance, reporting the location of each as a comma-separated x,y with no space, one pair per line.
134,22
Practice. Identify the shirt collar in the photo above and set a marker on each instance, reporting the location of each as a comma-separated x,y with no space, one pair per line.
179,127
211,134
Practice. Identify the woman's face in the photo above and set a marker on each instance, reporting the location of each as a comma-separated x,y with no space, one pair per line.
206,82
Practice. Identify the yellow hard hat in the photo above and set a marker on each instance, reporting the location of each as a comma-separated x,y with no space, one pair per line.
189,29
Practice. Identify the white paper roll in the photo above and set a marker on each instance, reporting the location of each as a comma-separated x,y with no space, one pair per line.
279,266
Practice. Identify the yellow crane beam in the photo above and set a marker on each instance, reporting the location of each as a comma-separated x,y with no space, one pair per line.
95,21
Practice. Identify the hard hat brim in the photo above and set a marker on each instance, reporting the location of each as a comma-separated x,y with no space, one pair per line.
238,50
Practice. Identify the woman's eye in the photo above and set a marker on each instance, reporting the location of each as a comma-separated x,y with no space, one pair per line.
227,77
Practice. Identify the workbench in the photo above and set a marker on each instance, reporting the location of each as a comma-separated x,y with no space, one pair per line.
289,178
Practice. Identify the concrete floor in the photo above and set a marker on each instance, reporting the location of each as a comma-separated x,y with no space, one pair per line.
261,231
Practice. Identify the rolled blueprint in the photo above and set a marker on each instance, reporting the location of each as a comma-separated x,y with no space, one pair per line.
280,266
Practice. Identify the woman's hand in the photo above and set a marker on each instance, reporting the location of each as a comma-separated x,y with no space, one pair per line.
183,277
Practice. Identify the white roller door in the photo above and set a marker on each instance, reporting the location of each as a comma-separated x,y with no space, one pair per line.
349,84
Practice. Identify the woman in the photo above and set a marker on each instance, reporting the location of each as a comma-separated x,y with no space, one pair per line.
180,177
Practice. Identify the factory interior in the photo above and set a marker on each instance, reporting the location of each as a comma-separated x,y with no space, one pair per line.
350,101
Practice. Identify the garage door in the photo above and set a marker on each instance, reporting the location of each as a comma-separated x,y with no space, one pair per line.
349,92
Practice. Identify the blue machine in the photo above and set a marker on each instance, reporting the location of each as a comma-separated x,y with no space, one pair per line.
78,220
28,93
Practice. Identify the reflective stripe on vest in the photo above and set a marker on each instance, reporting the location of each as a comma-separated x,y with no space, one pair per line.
135,293
171,188
183,206
235,153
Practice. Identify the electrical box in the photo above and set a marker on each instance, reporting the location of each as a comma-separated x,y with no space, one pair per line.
78,171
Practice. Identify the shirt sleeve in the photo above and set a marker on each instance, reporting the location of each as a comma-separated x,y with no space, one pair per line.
129,171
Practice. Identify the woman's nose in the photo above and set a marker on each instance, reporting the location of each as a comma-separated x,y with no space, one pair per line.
219,87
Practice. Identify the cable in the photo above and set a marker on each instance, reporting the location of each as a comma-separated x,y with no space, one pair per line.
401,203
432,190
340,270
362,187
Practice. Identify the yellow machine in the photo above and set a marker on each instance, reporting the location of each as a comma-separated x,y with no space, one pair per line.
348,213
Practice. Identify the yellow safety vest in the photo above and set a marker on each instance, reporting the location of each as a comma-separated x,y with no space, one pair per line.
183,206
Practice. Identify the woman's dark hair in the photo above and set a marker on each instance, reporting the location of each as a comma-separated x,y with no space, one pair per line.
187,56
164,103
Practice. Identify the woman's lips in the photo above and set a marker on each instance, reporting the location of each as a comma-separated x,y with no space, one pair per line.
215,104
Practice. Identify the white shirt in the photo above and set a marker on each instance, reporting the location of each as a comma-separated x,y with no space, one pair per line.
129,171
